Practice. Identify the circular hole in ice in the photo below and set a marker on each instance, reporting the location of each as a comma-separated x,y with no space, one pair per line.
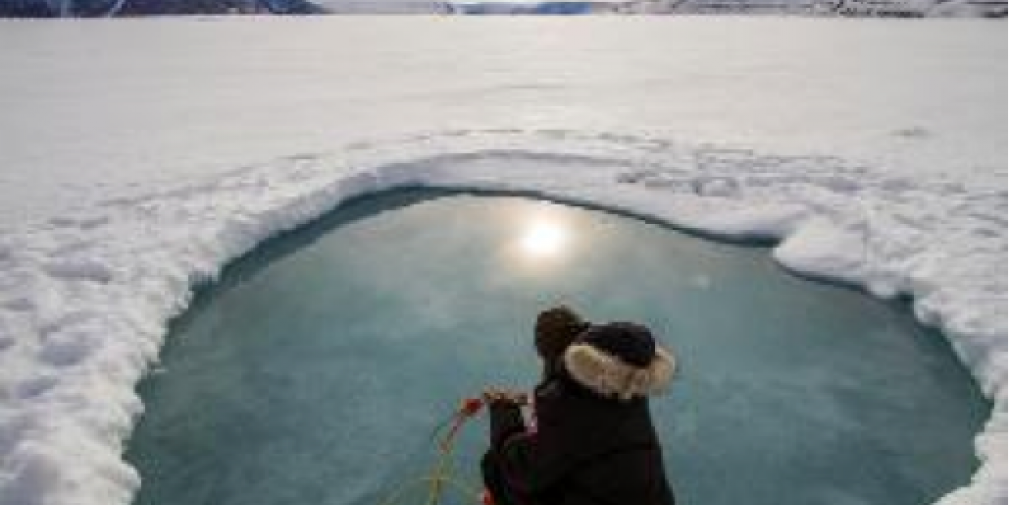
314,371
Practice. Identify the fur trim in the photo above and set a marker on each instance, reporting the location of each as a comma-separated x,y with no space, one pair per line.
610,377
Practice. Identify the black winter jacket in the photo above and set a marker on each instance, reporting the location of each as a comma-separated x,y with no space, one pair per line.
584,450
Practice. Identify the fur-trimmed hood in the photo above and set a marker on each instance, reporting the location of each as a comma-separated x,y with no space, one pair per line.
609,376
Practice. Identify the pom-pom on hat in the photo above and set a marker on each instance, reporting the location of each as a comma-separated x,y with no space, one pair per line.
556,329
619,360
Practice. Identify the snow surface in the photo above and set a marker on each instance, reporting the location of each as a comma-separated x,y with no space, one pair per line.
133,169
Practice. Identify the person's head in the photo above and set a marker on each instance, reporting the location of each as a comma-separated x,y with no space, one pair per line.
556,329
619,360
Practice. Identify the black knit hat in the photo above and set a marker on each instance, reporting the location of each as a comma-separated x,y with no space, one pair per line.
630,342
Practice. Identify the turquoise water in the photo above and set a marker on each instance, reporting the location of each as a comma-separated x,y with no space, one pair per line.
315,370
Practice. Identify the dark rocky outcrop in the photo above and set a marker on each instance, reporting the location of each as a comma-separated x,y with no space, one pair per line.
95,8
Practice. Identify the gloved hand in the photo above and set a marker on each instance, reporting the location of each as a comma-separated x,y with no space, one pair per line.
494,394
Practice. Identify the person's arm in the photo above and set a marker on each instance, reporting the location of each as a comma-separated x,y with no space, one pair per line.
506,421
533,462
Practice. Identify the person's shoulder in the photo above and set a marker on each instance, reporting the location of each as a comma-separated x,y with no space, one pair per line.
561,388
549,387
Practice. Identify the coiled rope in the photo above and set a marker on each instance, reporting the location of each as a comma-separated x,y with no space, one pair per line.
441,476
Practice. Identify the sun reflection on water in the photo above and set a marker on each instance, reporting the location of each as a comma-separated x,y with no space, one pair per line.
544,238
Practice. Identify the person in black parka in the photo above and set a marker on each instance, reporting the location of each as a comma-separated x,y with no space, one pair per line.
593,442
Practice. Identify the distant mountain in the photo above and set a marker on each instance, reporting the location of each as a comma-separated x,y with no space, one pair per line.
844,8
489,8
396,7
26,9
149,7
856,8
548,8
850,8
95,8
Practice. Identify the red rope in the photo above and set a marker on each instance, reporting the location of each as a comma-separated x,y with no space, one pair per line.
467,409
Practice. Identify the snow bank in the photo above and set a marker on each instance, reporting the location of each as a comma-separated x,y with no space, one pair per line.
85,298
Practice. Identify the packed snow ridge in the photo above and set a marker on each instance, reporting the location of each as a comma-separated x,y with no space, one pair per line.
85,298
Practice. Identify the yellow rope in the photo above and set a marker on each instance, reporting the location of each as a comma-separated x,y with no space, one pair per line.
441,473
